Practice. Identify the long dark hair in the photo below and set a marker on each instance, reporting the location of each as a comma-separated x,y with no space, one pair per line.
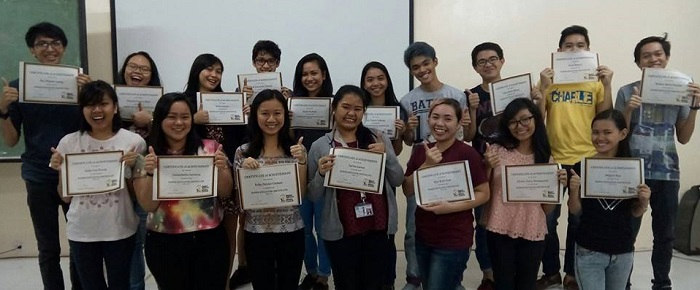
623,148
540,143
92,94
326,86
155,76
158,138
257,142
364,135
200,63
389,95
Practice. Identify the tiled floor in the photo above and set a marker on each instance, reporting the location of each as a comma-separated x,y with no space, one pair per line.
23,273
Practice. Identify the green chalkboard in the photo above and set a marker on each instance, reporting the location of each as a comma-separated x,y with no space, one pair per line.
16,16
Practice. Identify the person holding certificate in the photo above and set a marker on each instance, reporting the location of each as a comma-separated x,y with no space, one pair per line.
275,236
651,125
101,227
355,224
312,79
186,246
43,126
568,110
605,237
445,230
516,230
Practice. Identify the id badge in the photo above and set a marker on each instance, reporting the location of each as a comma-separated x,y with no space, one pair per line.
363,210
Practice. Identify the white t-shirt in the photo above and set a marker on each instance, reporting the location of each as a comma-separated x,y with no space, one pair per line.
101,217
417,101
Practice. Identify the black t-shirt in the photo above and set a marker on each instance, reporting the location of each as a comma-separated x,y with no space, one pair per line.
484,120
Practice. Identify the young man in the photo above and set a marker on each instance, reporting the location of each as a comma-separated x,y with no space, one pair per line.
43,126
652,128
569,109
421,60
266,58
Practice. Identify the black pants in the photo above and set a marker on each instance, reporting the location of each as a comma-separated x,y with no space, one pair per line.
515,262
189,261
358,262
275,259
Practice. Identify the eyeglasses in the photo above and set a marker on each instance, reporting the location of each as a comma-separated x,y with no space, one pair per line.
134,67
56,44
263,61
523,122
491,60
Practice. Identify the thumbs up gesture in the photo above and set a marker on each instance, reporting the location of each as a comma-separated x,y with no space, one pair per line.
201,116
129,157
432,155
298,151
491,157
9,96
56,159
151,161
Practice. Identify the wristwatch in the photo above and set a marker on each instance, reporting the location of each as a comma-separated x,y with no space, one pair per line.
5,115
691,107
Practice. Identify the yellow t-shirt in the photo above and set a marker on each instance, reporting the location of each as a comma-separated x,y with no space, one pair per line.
570,111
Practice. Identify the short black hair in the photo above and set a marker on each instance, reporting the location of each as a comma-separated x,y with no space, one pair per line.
45,29
418,49
486,46
574,29
665,44
269,47
93,93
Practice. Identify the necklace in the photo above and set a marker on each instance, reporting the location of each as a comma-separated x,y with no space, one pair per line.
176,152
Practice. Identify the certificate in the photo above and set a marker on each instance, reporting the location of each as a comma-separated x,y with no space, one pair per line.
310,113
538,183
48,83
509,89
184,177
269,186
611,177
223,108
356,169
450,181
575,67
260,82
382,118
92,173
130,97
665,87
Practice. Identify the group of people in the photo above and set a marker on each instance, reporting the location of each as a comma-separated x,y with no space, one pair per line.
191,243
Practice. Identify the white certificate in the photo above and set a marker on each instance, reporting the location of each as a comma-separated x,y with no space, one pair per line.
575,67
356,169
382,118
130,97
48,83
223,108
611,177
92,173
538,183
260,82
450,181
310,113
506,90
269,186
665,87
184,177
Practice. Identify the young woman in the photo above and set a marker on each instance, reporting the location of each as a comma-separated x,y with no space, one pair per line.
445,230
356,245
275,236
605,240
515,231
312,79
186,247
101,227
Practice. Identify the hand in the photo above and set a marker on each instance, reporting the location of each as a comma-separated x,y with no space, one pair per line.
201,116
546,78
694,91
643,193
561,175
635,100
9,96
246,88
473,100
286,92
56,159
298,151
400,127
535,95
604,75
246,109
220,159
432,155
574,181
142,118
466,118
291,116
129,157
439,207
82,80
150,161
491,157
412,122
325,164
378,147
250,163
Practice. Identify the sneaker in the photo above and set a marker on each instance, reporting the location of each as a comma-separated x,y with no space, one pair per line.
545,282
308,282
239,278
410,286
486,284
320,286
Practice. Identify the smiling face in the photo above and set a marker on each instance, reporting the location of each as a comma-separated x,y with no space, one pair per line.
574,43
100,115
48,50
652,55
443,122
349,112
423,69
137,71
375,82
606,137
210,77
271,117
177,122
488,65
265,62
522,125
312,77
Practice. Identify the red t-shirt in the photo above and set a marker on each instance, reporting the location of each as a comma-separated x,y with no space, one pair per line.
453,231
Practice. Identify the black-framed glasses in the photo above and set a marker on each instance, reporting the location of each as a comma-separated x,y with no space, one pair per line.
134,67
523,122
56,44
263,61
491,60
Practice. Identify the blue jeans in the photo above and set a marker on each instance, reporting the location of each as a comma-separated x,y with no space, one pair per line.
409,242
441,269
601,271
138,263
314,248
482,249
550,259
116,255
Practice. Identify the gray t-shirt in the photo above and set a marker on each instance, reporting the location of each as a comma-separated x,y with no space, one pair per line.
417,101
653,136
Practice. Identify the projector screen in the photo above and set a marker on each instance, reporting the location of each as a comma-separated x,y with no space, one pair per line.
347,34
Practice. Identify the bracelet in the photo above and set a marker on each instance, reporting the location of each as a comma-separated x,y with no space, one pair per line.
5,115
694,108
149,174
302,163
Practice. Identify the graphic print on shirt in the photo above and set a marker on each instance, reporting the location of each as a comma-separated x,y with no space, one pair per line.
578,97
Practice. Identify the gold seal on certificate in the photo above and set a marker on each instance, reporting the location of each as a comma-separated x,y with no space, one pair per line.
382,118
310,113
184,177
269,186
260,82
356,169
92,173
616,178
48,83
223,108
665,87
538,183
506,90
130,97
575,67
450,181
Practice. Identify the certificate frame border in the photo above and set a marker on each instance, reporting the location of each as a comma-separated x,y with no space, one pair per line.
240,84
240,190
397,111
506,192
23,84
493,99
597,58
116,90
330,112
467,171
584,170
381,172
200,97
67,193
641,87
187,197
